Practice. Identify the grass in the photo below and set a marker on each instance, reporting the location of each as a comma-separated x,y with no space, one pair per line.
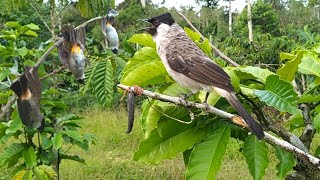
111,157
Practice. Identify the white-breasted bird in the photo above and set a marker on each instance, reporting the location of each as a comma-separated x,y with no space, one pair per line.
109,31
188,65
71,51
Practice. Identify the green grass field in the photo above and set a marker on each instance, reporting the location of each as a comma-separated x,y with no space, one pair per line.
111,158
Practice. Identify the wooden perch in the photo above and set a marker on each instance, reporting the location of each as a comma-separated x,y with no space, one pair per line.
306,157
215,49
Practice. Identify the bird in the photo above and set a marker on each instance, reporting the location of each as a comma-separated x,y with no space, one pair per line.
71,51
109,32
28,90
188,65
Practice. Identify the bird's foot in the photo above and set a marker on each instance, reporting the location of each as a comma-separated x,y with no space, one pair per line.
185,96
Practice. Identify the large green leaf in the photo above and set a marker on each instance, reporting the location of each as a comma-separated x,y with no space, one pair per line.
101,81
147,73
286,163
288,71
254,72
74,135
30,157
144,68
279,94
158,108
307,98
206,156
256,154
310,64
143,39
10,151
287,56
156,148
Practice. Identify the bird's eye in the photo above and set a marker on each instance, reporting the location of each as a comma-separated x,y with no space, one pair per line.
156,23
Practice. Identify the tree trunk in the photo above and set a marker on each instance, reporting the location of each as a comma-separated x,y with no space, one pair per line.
52,9
249,21
230,19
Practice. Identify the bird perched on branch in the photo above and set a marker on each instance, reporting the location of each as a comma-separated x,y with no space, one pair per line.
28,90
109,32
71,51
191,68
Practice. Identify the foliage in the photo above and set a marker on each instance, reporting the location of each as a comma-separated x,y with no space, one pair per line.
35,152
264,20
260,85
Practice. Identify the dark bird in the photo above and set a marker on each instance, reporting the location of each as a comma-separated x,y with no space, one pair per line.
28,90
191,68
109,32
71,51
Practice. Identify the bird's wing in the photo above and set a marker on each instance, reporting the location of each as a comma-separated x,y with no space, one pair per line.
64,53
186,57
103,25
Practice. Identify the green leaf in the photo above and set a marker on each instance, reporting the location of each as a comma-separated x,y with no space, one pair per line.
30,157
148,73
51,174
206,156
28,175
4,73
258,73
143,39
155,148
307,98
316,48
19,175
23,51
279,94
57,140
10,151
31,33
40,174
316,122
287,162
101,81
256,154
74,135
13,24
288,71
153,116
73,158
33,26
287,56
310,64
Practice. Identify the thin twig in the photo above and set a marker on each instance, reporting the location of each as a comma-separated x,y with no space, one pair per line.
5,108
43,21
308,158
216,50
52,73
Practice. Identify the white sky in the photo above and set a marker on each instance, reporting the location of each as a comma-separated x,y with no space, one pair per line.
236,4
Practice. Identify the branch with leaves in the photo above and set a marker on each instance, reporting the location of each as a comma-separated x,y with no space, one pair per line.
314,161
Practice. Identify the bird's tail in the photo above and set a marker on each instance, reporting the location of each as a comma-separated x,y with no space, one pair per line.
252,124
20,87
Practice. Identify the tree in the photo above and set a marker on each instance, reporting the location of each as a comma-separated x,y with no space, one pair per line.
249,16
212,4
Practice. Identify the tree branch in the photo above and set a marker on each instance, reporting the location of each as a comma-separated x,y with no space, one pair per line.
216,50
5,108
43,21
306,157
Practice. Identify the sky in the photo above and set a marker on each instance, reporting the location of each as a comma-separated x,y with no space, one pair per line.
236,5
